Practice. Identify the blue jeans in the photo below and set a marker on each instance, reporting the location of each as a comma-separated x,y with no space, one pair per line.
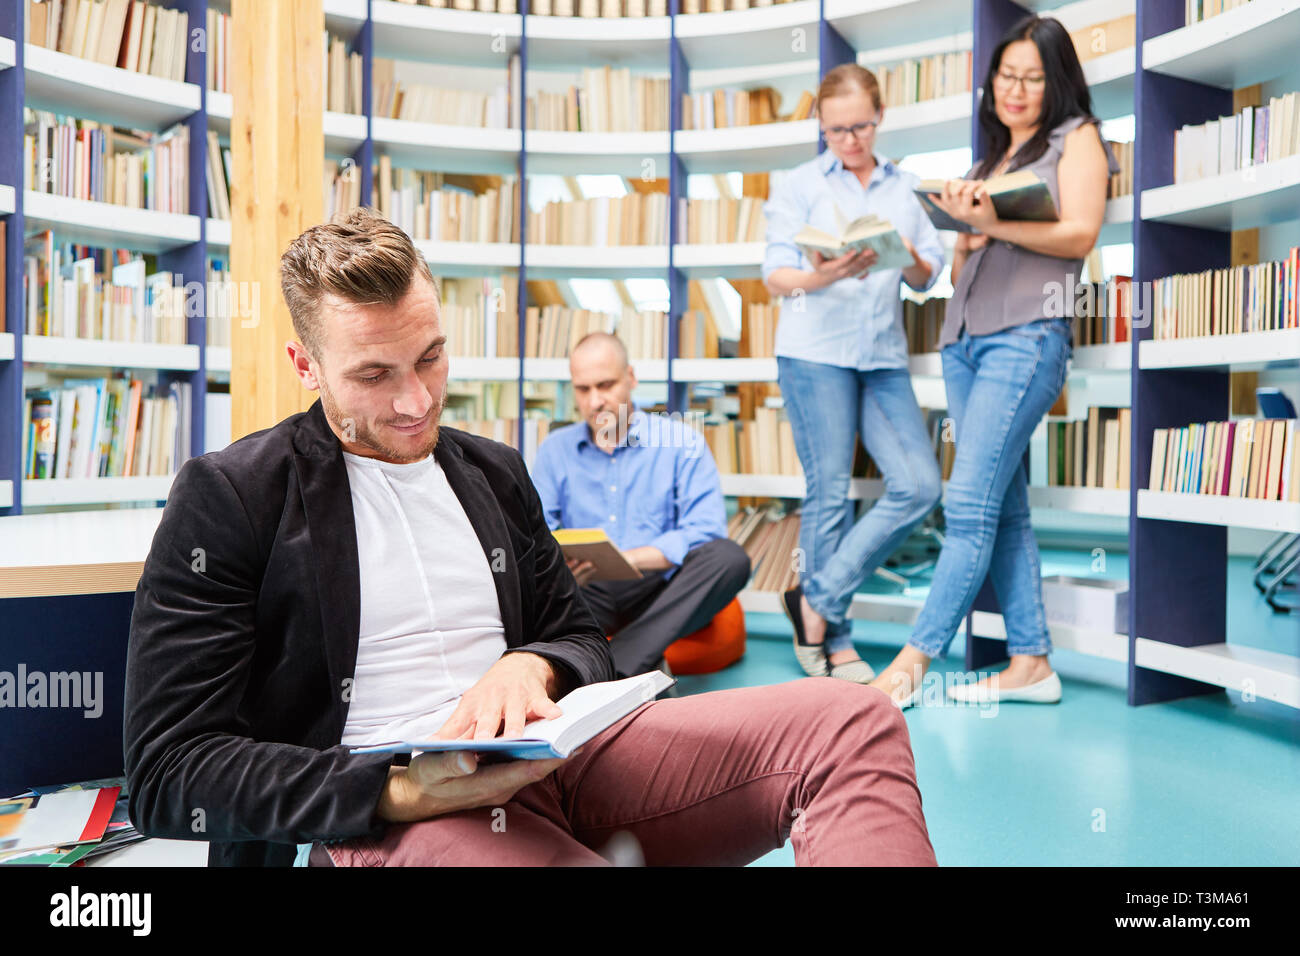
828,407
999,387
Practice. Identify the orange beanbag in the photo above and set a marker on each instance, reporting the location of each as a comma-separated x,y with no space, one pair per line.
716,645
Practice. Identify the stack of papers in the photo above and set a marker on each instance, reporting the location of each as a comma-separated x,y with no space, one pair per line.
65,825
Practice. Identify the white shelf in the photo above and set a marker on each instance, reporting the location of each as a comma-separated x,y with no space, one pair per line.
791,486
759,73
455,149
725,370
1275,516
574,42
221,108
1112,357
871,24
218,234
6,346
1117,226
105,224
925,364
90,491
1267,674
1066,637
557,369
81,538
8,54
1239,47
6,493
623,262
622,154
70,84
1098,501
923,127
896,609
748,37
452,37
735,260
479,369
746,149
345,18
1254,196
1243,351
219,358
344,133
1110,82
56,350
468,258
6,200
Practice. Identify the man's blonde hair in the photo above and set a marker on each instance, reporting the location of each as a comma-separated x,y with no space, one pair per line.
360,257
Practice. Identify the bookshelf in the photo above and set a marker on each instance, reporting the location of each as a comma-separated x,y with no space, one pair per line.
1173,75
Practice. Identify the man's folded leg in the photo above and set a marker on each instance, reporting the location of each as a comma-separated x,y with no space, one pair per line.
724,777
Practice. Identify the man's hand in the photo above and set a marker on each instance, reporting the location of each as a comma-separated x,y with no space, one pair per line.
856,263
437,783
647,558
583,571
515,690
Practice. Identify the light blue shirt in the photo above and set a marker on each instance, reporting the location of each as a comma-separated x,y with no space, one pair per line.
660,487
851,323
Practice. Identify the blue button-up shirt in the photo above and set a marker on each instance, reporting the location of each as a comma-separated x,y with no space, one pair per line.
660,487
851,323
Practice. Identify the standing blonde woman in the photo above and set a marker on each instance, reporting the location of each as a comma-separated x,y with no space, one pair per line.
842,366
1006,352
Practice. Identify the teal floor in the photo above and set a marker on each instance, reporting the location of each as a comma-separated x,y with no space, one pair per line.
1209,781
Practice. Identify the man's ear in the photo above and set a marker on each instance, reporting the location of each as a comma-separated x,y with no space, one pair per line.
303,365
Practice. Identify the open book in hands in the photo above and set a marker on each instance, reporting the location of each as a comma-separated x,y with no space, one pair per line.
865,232
584,713
1020,196
594,545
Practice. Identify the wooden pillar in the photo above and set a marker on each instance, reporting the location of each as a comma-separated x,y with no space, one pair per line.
277,145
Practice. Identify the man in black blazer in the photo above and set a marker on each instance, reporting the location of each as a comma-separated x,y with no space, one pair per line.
244,646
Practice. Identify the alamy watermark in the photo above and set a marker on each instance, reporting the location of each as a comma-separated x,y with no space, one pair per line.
78,690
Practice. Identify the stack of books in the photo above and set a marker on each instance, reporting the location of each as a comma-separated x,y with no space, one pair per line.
1251,137
478,315
82,159
760,340
637,219
606,101
1248,458
924,78
763,445
1091,453
218,165
553,330
76,292
1251,298
1103,311
222,303
770,538
697,336
721,220
428,208
733,106
106,428
420,103
1121,183
218,73
342,187
341,72
130,34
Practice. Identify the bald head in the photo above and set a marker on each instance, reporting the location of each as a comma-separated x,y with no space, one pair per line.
602,379
599,346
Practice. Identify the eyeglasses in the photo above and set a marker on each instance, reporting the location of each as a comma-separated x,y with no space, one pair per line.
1009,80
836,133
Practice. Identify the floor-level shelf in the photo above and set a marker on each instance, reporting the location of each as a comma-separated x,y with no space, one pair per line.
94,491
1275,516
1263,674
99,353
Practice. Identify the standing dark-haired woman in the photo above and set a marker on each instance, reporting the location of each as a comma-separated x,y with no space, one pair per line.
1006,353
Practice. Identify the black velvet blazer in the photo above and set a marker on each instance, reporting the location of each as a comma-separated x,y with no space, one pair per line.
244,637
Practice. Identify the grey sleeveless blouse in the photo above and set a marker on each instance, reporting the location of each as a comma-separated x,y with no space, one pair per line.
1003,284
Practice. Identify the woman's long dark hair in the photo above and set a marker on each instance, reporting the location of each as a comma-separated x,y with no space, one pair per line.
1065,95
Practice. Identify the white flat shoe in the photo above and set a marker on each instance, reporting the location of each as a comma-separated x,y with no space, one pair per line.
859,672
1045,691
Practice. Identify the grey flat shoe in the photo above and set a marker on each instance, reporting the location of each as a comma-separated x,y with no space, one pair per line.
811,657
859,672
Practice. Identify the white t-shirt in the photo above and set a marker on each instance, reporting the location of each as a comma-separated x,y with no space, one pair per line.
430,621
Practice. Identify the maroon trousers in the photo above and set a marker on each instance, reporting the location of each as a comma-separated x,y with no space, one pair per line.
713,779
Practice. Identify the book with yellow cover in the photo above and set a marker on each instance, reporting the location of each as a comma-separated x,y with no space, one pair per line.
592,544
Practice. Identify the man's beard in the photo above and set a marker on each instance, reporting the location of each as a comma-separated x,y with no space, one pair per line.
359,431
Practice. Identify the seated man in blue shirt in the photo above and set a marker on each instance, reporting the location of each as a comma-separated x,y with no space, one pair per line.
650,482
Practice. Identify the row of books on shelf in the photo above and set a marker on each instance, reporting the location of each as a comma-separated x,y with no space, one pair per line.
759,340
76,292
1121,183
106,428
343,187
606,100
721,220
1247,458
131,34
217,75
1261,297
418,102
429,207
923,78
82,159
771,539
218,165
551,331
1252,136
506,431
1092,452
637,219
1198,10
697,336
341,73
731,106
763,445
